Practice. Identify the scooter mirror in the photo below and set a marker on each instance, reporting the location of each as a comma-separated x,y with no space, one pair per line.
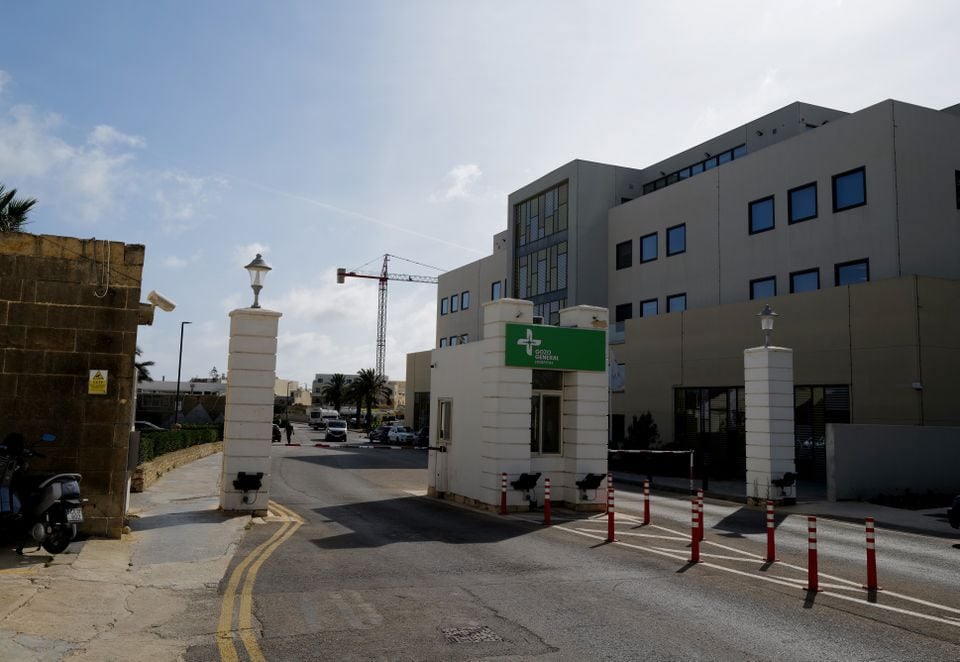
48,437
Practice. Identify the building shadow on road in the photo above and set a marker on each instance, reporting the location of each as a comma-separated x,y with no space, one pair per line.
415,519
349,458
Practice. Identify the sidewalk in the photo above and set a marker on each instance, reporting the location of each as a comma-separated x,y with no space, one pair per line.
811,500
127,599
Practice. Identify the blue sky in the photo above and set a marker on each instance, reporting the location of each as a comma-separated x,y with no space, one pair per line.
325,134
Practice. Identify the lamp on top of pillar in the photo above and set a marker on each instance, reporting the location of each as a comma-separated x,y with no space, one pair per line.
766,322
257,269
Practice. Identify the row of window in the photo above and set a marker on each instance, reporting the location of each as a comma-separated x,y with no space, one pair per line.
676,303
452,341
454,303
541,215
844,273
649,249
708,163
849,191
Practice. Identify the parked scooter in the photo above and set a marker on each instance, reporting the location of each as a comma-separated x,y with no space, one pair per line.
47,508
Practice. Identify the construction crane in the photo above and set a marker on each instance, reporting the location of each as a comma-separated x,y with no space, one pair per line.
382,278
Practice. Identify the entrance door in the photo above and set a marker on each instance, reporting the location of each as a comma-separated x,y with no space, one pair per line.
545,423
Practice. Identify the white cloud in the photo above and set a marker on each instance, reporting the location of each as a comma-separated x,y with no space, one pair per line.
177,262
458,182
242,254
105,136
28,147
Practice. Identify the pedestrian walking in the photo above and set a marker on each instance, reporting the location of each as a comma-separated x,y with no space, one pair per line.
288,428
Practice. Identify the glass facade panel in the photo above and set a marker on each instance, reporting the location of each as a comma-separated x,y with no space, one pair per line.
763,288
648,247
648,308
849,189
625,254
850,273
805,281
676,303
454,303
761,215
464,300
444,306
802,203
677,239
496,290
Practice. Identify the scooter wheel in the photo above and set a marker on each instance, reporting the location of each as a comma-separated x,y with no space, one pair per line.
58,540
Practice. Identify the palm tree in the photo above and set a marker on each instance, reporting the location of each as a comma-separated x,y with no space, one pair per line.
13,212
373,386
143,374
353,393
335,391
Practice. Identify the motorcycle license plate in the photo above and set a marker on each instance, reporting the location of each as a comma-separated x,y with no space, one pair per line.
74,515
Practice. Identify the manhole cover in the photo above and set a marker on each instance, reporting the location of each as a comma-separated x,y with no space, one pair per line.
470,635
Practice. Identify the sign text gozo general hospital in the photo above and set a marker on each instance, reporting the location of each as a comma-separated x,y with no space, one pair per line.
555,348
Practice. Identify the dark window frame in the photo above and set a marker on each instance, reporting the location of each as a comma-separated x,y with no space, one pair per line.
627,261
764,279
670,253
675,296
444,306
465,300
773,214
833,187
656,304
793,274
454,303
956,178
627,307
656,248
496,290
816,203
837,267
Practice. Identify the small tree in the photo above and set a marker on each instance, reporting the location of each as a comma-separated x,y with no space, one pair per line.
143,372
642,432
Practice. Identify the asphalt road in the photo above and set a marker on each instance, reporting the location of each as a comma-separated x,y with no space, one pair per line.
377,571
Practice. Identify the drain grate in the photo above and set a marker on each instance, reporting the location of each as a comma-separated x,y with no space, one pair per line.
470,635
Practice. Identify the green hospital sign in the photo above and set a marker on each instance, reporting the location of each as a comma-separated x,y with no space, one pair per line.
555,348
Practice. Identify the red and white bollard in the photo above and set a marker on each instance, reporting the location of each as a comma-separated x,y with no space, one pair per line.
694,531
700,513
503,494
771,546
871,557
611,537
813,576
646,502
546,501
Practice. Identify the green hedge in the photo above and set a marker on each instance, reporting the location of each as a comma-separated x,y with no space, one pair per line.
155,443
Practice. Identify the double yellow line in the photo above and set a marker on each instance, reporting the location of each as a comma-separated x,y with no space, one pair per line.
247,571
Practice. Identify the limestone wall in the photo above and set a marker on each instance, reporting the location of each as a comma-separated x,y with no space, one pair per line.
69,306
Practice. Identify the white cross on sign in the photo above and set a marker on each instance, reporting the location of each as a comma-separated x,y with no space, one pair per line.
529,342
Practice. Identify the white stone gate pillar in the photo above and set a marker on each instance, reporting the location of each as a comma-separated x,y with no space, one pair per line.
249,408
768,394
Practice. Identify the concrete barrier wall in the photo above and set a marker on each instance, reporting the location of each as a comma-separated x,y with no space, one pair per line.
864,461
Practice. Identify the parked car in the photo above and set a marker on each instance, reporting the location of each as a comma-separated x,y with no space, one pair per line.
336,430
423,437
276,434
400,434
147,426
953,513
379,434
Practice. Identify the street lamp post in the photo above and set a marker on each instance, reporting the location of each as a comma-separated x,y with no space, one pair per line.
257,269
766,322
176,403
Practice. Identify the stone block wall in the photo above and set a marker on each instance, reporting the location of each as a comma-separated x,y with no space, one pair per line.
69,306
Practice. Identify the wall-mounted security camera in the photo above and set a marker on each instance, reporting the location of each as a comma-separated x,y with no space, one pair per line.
160,301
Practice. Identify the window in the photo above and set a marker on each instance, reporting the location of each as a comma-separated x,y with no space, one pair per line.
625,254
464,338
956,177
802,203
624,311
454,303
444,420
850,189
848,273
804,281
443,342
761,215
677,303
464,300
763,288
648,308
648,247
453,341
496,290
677,239
444,306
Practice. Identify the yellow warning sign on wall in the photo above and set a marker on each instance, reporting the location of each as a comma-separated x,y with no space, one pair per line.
98,382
